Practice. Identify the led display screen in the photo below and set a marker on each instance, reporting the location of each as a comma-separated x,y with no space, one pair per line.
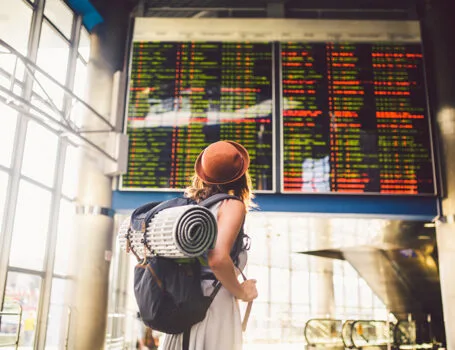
354,119
186,95
353,115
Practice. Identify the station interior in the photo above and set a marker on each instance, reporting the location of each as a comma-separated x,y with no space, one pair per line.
347,108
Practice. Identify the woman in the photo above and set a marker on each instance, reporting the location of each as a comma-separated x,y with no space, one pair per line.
221,168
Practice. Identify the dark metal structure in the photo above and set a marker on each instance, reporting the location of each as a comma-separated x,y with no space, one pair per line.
324,9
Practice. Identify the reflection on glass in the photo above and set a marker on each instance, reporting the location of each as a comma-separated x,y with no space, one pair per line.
53,53
316,175
58,318
30,226
64,238
84,44
25,289
40,154
59,14
3,187
8,122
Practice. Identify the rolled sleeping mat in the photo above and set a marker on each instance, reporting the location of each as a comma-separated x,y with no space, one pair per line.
132,241
122,234
182,232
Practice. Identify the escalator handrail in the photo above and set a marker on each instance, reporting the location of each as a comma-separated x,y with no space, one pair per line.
369,321
346,324
316,319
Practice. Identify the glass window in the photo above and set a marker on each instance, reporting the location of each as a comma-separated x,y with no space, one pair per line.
300,314
3,187
280,319
255,227
25,290
40,154
279,242
8,122
16,18
380,314
340,313
299,262
30,226
64,237
70,173
80,90
366,294
300,287
377,302
60,15
259,318
280,285
338,289
59,315
84,44
352,291
261,275
53,53
47,95
80,79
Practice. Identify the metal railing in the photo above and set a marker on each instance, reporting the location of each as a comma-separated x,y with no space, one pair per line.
10,339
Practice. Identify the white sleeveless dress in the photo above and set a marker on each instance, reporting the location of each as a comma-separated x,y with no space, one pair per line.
221,329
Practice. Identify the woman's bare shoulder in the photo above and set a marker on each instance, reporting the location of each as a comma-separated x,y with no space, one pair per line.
232,206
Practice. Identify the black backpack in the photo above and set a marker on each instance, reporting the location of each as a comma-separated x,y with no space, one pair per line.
168,291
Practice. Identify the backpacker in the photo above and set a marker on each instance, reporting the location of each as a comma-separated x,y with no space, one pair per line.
168,291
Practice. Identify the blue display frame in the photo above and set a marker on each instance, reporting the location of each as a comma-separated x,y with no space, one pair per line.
396,207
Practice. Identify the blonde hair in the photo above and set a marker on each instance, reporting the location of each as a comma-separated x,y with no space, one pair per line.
242,188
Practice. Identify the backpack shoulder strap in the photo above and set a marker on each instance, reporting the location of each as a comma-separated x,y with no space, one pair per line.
174,202
208,202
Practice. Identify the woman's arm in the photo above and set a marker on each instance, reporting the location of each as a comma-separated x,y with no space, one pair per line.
230,221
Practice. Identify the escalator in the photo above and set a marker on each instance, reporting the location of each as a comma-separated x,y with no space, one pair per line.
332,334
402,270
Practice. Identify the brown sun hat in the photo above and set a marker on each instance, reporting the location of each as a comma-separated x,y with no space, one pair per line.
222,162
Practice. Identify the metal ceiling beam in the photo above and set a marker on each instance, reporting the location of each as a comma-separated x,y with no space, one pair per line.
202,8
264,9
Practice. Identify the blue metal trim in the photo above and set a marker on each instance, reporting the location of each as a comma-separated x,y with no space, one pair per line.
396,207
90,16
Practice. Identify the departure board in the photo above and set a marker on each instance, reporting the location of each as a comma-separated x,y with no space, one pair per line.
354,119
186,95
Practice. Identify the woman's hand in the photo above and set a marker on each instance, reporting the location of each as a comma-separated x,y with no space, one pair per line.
249,290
